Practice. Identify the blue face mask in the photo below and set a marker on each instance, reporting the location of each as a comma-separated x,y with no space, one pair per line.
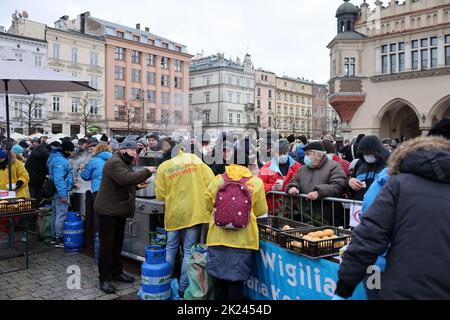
308,162
283,159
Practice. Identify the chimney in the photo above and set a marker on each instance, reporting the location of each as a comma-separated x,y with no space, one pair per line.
147,29
138,26
83,22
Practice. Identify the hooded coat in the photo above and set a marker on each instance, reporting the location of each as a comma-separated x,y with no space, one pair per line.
36,165
60,173
413,220
18,173
369,172
94,169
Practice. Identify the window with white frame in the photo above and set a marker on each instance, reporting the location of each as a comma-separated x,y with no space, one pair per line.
207,117
238,97
150,60
56,48
165,98
74,55
178,82
57,103
230,96
207,97
447,50
178,64
135,57
94,58
119,73
349,67
135,75
94,104
74,105
393,57
38,60
230,118
151,78
164,63
238,118
37,111
17,109
151,96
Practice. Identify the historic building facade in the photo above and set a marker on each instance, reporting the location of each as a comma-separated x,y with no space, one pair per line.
265,97
28,114
146,78
80,56
293,113
390,67
222,93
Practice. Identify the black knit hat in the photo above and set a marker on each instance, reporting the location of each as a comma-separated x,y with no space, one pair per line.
303,139
317,146
290,138
442,128
67,146
104,138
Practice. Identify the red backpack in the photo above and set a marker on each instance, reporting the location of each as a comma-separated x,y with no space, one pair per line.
233,204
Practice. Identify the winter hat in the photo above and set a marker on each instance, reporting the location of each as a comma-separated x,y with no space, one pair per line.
283,145
329,146
55,144
104,138
327,137
92,142
82,141
17,149
317,146
442,128
67,146
303,139
291,138
3,154
23,144
143,141
128,144
153,135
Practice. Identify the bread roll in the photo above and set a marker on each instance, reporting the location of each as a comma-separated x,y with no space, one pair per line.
328,232
296,244
320,234
286,227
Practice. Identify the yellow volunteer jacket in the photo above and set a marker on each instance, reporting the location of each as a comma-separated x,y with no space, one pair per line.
182,182
247,238
18,173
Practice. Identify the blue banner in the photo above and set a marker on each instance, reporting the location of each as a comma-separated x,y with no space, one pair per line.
282,275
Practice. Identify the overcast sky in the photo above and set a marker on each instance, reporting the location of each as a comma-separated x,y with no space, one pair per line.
288,37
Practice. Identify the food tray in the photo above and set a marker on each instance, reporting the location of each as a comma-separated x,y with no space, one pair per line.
17,205
292,240
271,227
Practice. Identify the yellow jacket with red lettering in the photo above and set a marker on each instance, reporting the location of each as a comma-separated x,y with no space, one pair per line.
247,238
181,182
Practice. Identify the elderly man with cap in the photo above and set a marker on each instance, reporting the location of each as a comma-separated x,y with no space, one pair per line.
319,178
115,202
278,173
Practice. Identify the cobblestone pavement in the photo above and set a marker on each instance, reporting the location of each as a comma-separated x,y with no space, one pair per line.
47,278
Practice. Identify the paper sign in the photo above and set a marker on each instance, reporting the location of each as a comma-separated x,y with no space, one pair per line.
355,214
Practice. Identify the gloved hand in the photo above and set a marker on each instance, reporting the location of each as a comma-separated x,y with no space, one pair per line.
19,183
336,297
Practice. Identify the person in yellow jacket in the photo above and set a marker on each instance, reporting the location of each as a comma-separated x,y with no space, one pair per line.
181,183
20,177
230,251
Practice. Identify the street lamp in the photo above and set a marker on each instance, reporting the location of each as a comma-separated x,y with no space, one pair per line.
308,116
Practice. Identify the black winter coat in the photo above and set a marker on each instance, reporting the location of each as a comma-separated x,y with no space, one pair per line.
412,214
36,165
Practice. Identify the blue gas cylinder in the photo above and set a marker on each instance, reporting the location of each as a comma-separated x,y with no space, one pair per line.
156,275
73,232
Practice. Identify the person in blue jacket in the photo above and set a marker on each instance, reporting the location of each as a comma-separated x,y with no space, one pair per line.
93,172
61,174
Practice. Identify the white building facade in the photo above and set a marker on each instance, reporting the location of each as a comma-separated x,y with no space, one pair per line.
28,114
222,93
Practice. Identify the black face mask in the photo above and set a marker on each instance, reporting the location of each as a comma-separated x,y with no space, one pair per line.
128,157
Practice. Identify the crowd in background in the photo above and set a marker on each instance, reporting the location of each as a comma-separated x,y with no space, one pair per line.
383,174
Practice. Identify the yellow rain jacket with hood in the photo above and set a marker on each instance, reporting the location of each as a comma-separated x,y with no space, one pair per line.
182,182
247,238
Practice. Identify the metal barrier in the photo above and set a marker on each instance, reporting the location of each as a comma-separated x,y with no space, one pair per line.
327,211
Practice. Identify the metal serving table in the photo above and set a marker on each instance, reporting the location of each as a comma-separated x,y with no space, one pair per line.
26,215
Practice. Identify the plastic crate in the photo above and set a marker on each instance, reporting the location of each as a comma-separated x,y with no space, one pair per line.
17,205
271,227
292,240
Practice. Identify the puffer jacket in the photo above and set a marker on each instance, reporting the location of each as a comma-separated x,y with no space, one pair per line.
368,172
94,169
117,194
328,179
411,212
60,173
36,165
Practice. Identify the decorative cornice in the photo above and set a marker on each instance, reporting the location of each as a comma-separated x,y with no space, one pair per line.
412,75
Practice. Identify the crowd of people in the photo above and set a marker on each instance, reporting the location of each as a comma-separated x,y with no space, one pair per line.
224,186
